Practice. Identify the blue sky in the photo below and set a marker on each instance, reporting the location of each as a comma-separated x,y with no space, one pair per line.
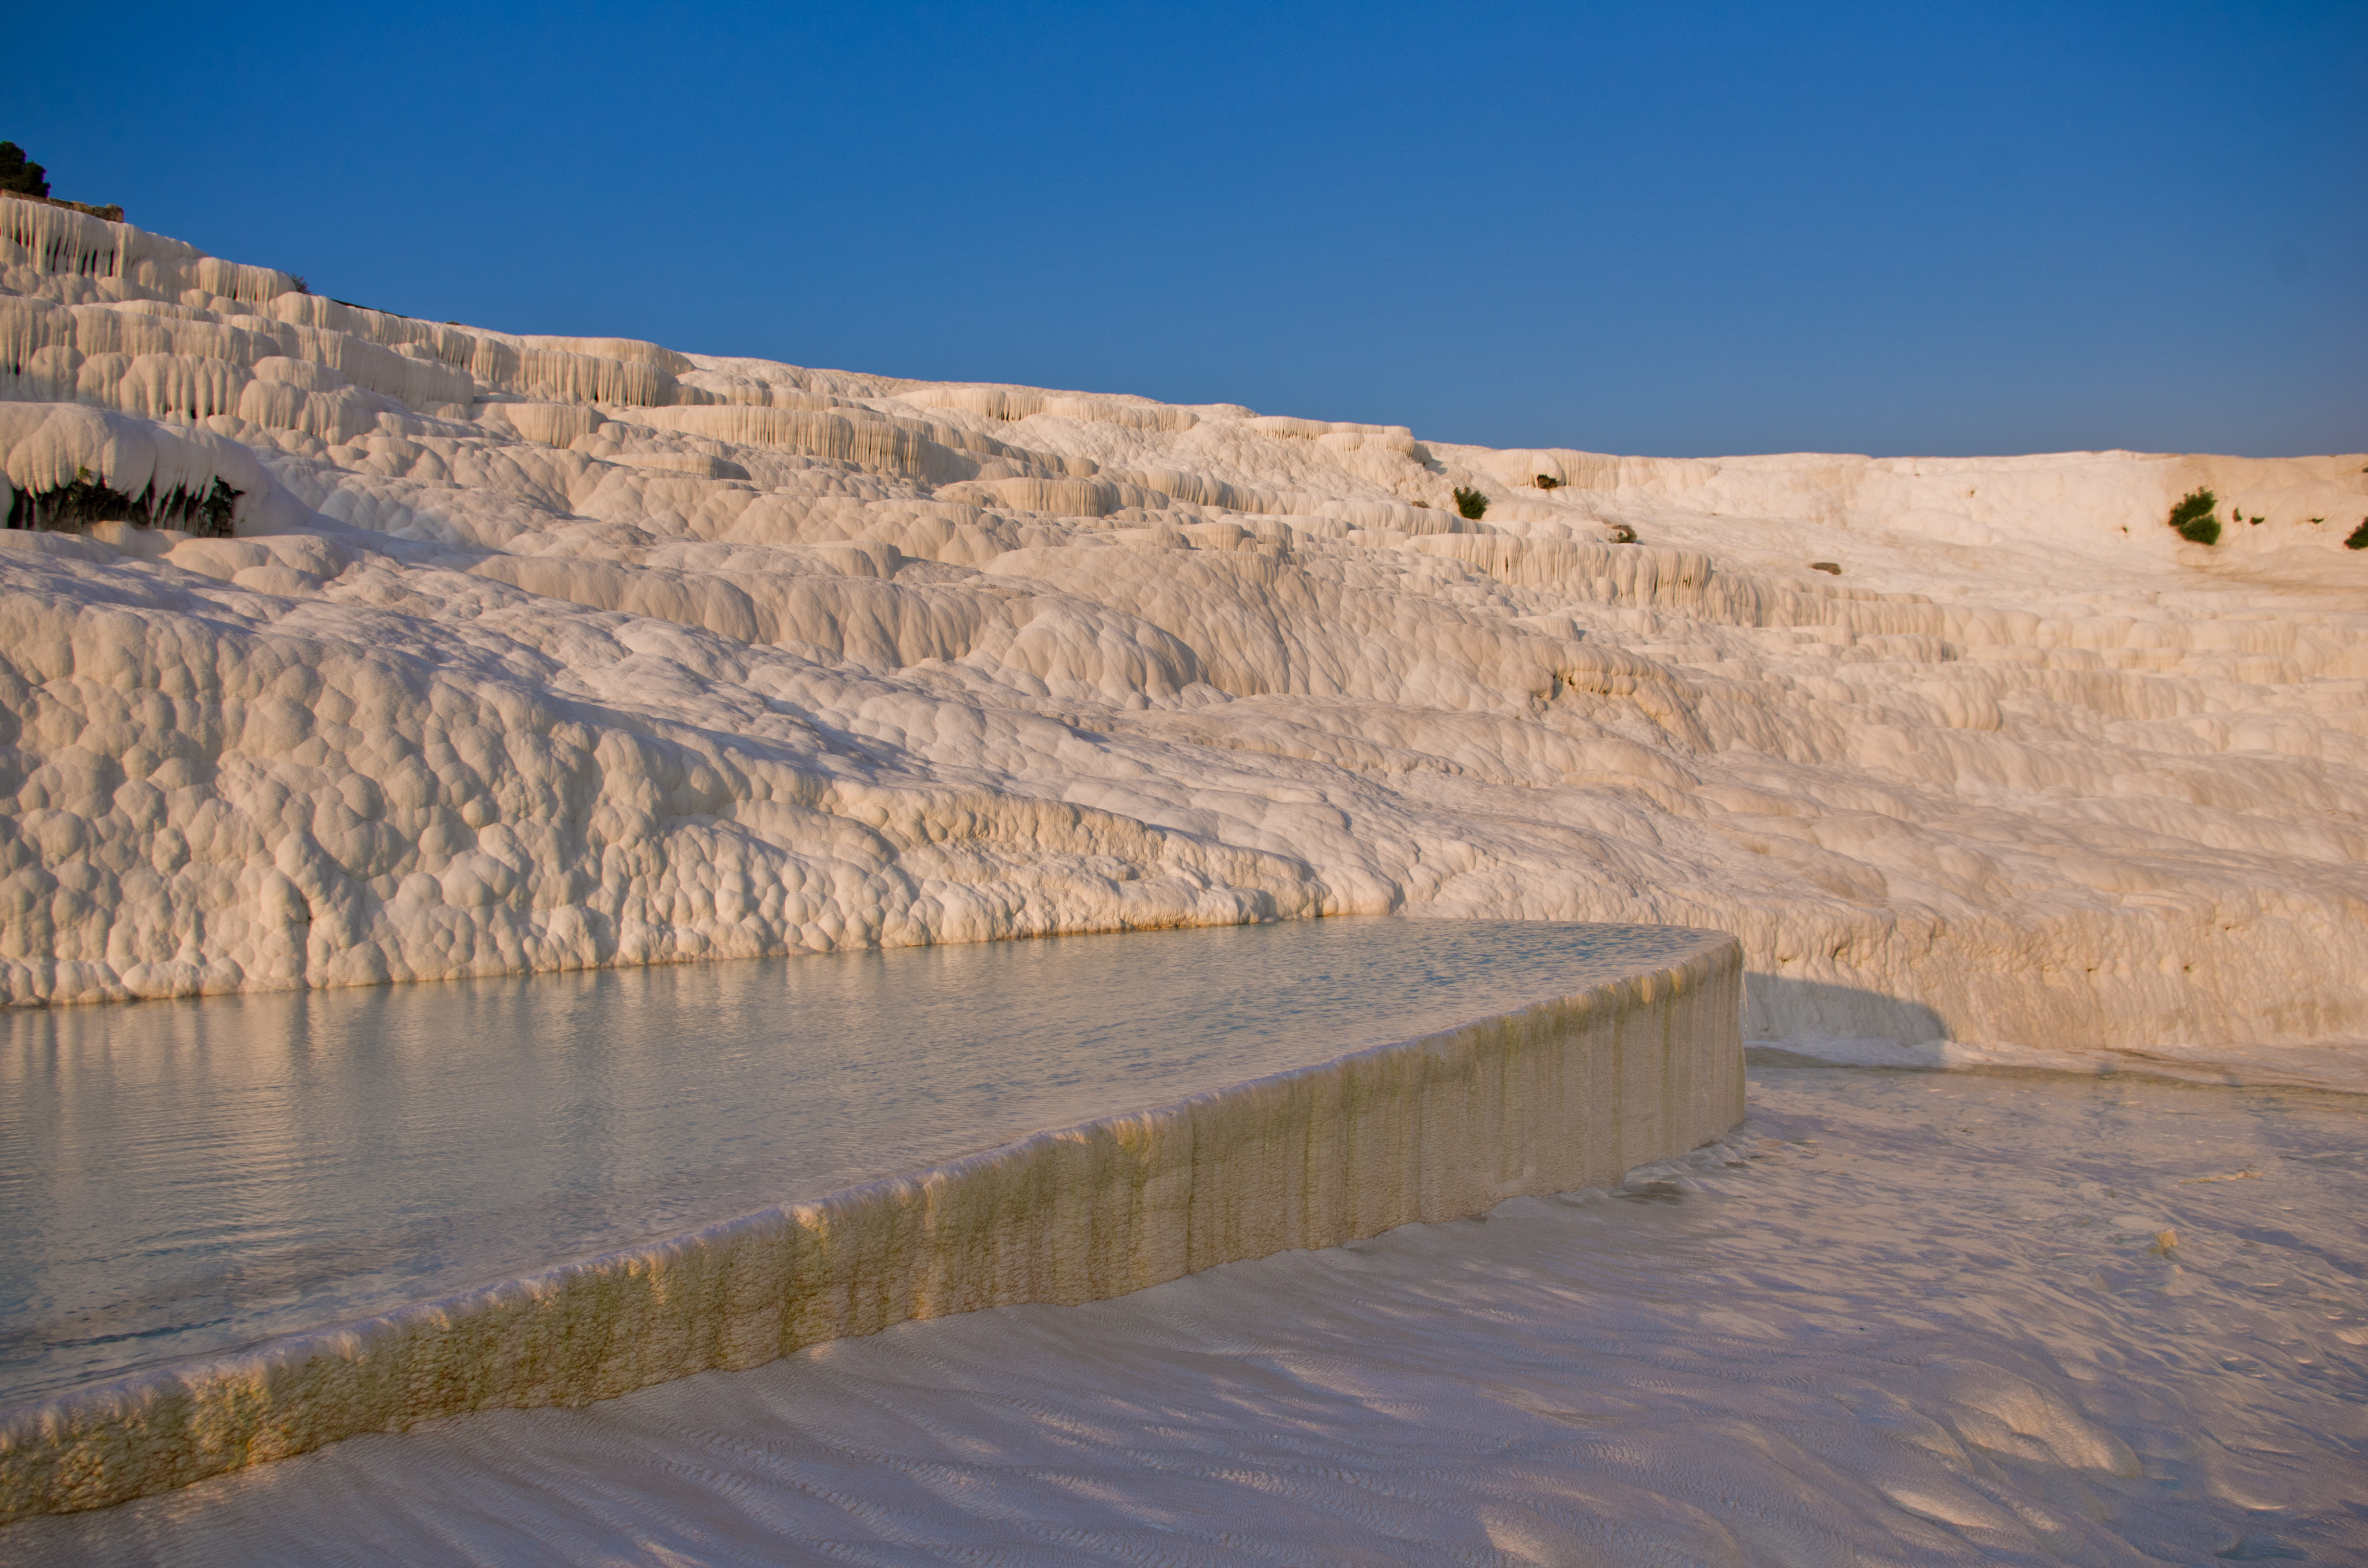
1669,229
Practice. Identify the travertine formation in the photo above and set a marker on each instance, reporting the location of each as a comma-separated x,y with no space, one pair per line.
1567,1093
1894,1318
537,652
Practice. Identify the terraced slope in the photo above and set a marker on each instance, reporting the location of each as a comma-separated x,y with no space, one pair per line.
533,653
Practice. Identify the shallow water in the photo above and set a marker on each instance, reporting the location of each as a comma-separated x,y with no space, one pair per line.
1896,1318
182,1178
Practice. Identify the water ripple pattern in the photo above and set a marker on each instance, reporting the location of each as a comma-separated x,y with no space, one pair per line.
1894,1318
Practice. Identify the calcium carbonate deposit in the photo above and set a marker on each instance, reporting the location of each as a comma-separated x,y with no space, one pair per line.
1895,1319
240,1232
457,653
339,647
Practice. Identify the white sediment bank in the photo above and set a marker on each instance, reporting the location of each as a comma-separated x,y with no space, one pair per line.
1565,1093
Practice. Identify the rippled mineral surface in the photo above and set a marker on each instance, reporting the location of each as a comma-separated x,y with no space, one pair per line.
1894,1318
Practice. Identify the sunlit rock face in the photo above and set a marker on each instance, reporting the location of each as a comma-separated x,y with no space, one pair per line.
517,654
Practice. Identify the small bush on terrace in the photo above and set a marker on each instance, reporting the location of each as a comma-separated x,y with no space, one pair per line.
2359,539
1470,503
2193,519
74,506
18,175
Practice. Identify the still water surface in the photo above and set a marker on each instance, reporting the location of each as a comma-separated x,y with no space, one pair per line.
181,1178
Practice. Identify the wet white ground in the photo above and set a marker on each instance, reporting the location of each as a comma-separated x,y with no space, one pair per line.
1896,1317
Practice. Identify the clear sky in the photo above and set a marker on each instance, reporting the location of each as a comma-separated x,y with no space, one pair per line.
1678,228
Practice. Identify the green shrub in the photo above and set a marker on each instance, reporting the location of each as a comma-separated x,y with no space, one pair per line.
2193,518
1470,503
2359,539
18,175
1548,481
70,508
74,506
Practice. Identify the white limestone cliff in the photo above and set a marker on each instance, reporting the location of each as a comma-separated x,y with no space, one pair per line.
533,653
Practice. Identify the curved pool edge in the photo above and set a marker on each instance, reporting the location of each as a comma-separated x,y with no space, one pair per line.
1553,1096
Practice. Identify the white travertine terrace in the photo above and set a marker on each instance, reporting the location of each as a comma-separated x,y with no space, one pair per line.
1565,1093
539,652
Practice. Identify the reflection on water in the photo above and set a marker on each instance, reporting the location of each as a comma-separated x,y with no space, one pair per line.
1894,1318
182,1177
